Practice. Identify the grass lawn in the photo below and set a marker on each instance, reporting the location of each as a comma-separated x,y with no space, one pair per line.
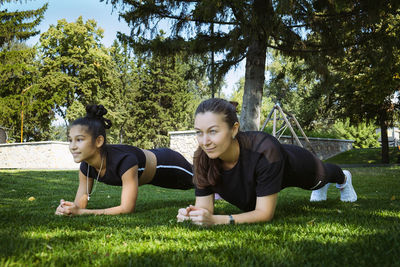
364,156
332,233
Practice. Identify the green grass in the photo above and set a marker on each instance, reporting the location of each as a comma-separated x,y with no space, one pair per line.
364,156
331,233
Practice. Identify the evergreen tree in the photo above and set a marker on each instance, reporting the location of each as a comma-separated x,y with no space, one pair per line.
245,29
19,25
362,84
18,74
164,101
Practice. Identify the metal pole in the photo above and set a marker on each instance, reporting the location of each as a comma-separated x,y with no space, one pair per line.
22,111
22,121
290,127
274,124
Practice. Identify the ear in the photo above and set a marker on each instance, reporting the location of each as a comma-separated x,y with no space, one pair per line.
235,129
99,141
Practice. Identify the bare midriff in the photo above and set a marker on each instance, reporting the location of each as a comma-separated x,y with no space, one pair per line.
149,169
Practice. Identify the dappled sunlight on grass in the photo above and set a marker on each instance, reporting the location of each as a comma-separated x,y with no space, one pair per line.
302,233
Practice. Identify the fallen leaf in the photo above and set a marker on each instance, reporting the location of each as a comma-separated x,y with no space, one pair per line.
31,199
393,198
311,222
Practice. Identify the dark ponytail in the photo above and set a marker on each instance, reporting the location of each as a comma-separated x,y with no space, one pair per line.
207,172
95,122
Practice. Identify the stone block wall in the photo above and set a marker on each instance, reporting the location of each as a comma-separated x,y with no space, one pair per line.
36,155
185,143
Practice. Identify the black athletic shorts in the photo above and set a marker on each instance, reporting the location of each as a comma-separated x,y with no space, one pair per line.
173,170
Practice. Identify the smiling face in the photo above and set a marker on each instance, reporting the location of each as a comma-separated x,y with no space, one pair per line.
81,144
213,134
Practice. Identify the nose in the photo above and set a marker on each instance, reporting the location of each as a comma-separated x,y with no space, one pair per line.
205,139
72,146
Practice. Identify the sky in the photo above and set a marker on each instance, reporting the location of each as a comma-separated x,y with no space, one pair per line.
106,18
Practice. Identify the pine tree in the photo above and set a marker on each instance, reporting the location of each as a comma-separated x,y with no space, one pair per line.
245,29
18,72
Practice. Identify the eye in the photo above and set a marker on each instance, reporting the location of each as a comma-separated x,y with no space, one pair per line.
199,133
213,131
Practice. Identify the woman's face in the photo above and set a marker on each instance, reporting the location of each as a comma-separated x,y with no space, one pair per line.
213,134
81,144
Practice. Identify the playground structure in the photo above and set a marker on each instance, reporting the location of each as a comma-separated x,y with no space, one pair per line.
282,119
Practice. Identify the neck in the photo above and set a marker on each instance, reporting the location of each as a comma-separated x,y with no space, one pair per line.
95,161
231,155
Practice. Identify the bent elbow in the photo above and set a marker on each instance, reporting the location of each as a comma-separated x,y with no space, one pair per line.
267,216
127,210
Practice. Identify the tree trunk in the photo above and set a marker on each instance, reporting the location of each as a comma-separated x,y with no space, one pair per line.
253,85
255,65
384,141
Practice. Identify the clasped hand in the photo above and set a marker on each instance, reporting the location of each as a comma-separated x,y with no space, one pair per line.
67,208
196,215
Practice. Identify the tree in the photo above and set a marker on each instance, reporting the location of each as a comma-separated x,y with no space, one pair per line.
363,83
19,25
75,66
245,29
18,73
165,100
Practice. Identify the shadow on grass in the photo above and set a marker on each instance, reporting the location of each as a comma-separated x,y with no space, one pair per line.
302,233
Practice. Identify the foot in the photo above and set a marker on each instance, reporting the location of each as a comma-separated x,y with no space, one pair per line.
320,194
347,192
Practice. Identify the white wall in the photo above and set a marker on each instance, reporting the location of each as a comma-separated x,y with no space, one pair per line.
36,155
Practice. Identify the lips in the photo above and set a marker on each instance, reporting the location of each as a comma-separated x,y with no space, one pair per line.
208,150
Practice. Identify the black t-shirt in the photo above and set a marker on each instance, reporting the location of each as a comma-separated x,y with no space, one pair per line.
120,158
259,171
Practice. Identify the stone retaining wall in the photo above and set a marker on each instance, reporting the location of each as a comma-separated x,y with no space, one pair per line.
185,142
56,155
36,155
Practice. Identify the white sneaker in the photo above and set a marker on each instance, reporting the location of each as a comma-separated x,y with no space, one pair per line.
217,196
320,194
347,192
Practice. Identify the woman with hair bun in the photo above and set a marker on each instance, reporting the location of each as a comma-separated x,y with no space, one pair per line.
249,169
120,165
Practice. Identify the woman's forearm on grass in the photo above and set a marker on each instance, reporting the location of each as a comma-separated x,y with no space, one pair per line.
108,211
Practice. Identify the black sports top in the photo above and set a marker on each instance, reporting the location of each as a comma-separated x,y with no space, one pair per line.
120,158
264,167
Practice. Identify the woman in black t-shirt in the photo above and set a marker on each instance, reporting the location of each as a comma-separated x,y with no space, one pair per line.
248,169
120,165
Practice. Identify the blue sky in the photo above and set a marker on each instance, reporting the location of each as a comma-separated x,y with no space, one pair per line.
106,18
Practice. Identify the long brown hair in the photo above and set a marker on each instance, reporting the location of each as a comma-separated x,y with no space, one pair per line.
207,172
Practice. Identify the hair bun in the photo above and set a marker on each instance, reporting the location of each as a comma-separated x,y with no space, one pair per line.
97,112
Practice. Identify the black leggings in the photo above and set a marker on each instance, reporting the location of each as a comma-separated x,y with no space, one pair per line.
173,170
306,171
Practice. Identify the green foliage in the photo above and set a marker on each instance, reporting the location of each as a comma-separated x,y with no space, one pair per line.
331,233
19,25
363,134
74,66
18,74
164,101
